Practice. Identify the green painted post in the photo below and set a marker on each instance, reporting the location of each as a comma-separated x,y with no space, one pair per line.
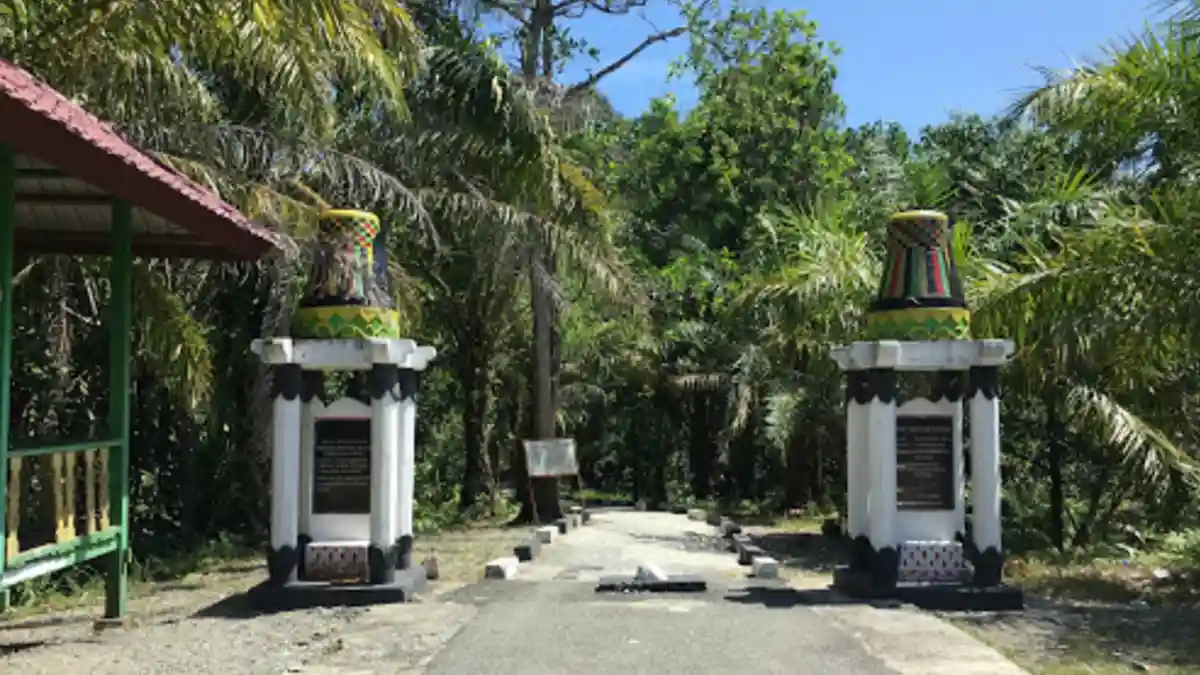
8,225
120,328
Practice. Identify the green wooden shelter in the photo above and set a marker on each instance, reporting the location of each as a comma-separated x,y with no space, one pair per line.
69,184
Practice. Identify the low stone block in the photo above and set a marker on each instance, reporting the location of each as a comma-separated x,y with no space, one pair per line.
527,551
737,541
501,568
678,509
574,508
585,517
640,505
729,528
713,519
765,567
697,514
747,554
574,520
563,525
545,534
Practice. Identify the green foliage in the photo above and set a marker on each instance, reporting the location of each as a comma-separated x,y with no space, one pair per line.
702,263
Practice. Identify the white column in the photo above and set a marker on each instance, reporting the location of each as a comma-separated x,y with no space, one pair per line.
858,469
285,472
307,439
385,446
881,442
407,458
985,460
960,502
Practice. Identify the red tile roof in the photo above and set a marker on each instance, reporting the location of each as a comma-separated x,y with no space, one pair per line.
40,122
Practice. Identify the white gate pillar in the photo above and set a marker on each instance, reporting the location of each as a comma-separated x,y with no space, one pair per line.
984,395
286,383
858,469
881,442
385,394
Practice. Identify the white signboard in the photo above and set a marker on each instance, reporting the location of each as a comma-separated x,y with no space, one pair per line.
551,457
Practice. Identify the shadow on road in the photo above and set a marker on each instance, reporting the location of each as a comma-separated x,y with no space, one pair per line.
783,598
810,551
15,647
687,541
235,606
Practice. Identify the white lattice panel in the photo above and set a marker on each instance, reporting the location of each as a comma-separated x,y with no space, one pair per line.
931,561
340,561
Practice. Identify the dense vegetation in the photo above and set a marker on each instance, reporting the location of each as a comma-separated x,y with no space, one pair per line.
695,266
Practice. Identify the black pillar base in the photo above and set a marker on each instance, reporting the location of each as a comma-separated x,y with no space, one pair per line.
280,564
382,564
861,553
989,567
302,543
404,552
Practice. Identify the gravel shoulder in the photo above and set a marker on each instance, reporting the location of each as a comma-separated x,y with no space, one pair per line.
1051,637
169,630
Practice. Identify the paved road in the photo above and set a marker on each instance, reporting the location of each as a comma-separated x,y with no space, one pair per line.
548,621
551,622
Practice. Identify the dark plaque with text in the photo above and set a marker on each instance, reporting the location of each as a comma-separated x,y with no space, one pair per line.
342,466
925,463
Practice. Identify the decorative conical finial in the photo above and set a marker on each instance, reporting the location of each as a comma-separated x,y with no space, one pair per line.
920,295
345,297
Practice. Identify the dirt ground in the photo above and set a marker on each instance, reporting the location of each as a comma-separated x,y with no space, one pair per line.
1051,637
196,625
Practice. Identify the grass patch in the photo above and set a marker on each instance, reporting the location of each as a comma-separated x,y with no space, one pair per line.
462,552
216,562
227,566
1151,578
1104,612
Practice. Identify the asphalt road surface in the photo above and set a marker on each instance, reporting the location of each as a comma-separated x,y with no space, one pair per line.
550,620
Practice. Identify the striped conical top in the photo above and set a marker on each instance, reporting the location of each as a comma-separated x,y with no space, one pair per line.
920,296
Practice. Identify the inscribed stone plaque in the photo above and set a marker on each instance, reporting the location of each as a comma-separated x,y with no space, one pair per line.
342,466
925,463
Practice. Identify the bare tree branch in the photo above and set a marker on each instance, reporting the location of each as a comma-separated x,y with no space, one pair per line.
611,68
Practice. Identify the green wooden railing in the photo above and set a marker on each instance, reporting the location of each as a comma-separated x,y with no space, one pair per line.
96,470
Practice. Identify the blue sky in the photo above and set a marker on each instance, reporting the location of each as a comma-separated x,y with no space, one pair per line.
977,55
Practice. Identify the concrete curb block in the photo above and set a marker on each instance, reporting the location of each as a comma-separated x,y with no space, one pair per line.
697,514
545,534
501,568
737,541
765,567
747,554
713,519
729,528
527,551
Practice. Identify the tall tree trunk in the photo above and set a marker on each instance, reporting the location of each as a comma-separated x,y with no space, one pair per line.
702,453
1056,437
544,496
473,379
536,54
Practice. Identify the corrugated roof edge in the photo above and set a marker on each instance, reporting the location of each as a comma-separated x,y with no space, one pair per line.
41,122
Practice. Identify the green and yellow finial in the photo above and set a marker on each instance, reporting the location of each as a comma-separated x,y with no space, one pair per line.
920,296
346,297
